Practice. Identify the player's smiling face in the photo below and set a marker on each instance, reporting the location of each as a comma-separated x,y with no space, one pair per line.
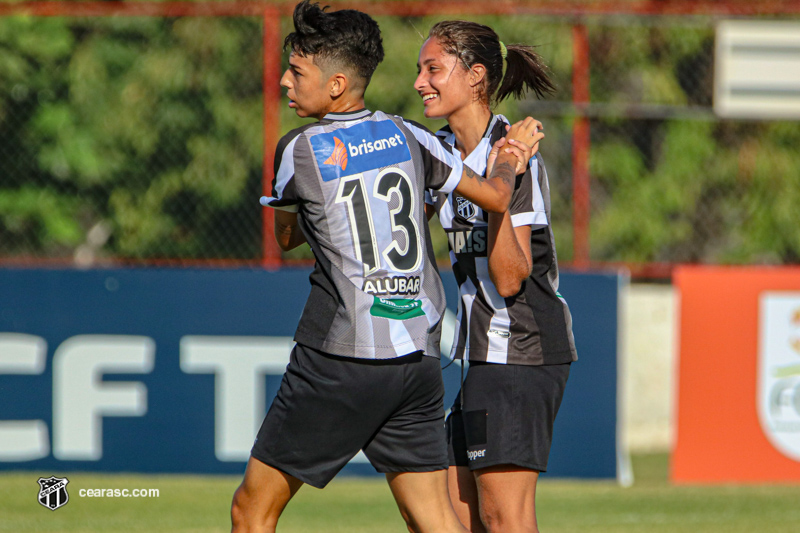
306,86
443,84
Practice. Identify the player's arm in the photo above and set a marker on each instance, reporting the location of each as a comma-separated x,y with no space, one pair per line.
509,234
284,197
510,261
287,230
494,194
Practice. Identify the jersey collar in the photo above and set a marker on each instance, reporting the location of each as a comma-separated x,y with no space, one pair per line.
352,115
490,134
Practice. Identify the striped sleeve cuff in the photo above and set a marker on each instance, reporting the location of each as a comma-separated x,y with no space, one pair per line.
455,176
276,203
536,219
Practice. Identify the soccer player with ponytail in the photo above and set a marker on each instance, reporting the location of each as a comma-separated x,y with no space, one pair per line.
364,373
514,327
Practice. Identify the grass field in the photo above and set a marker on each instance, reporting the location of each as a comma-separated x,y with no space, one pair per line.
200,504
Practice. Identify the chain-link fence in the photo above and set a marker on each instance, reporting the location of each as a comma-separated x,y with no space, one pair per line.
141,139
670,180
135,138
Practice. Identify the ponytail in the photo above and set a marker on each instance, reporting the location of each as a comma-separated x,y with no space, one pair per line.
525,70
471,43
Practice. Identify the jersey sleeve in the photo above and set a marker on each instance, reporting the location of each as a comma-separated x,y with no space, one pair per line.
443,167
527,206
284,192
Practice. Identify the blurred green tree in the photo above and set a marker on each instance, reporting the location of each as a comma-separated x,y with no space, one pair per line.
141,138
151,127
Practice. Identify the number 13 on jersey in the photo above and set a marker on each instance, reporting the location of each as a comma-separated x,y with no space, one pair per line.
403,253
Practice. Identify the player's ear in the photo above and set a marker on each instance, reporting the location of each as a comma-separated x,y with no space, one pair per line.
337,84
476,74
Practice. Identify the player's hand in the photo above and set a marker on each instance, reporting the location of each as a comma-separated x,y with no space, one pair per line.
527,132
520,148
521,161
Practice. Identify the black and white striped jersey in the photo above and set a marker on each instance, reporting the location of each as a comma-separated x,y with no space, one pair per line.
535,326
357,181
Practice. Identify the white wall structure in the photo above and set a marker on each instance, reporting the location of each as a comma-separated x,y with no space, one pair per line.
648,366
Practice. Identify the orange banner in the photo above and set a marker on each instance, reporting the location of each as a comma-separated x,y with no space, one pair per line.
738,408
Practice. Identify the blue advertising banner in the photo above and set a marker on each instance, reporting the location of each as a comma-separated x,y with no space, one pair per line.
172,370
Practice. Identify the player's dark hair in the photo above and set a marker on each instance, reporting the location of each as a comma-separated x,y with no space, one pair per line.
347,38
474,43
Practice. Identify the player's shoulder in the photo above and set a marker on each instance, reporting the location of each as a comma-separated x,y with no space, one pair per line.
425,135
417,125
497,128
419,133
402,121
287,139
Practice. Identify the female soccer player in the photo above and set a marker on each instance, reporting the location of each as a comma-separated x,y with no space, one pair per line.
514,327
364,374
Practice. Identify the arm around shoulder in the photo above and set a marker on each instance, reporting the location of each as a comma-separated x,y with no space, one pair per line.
493,194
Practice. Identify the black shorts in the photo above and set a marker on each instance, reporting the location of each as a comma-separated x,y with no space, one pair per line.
507,415
328,408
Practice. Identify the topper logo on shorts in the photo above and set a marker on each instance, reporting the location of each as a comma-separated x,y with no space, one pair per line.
476,454
360,148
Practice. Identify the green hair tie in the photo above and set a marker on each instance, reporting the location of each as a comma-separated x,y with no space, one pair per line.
503,50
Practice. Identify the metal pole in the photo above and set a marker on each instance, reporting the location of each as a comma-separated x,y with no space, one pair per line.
272,97
580,147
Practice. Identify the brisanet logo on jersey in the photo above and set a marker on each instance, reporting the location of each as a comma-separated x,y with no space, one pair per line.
366,146
778,393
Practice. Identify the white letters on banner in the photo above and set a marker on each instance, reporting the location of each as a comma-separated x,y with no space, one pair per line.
81,398
239,365
23,440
